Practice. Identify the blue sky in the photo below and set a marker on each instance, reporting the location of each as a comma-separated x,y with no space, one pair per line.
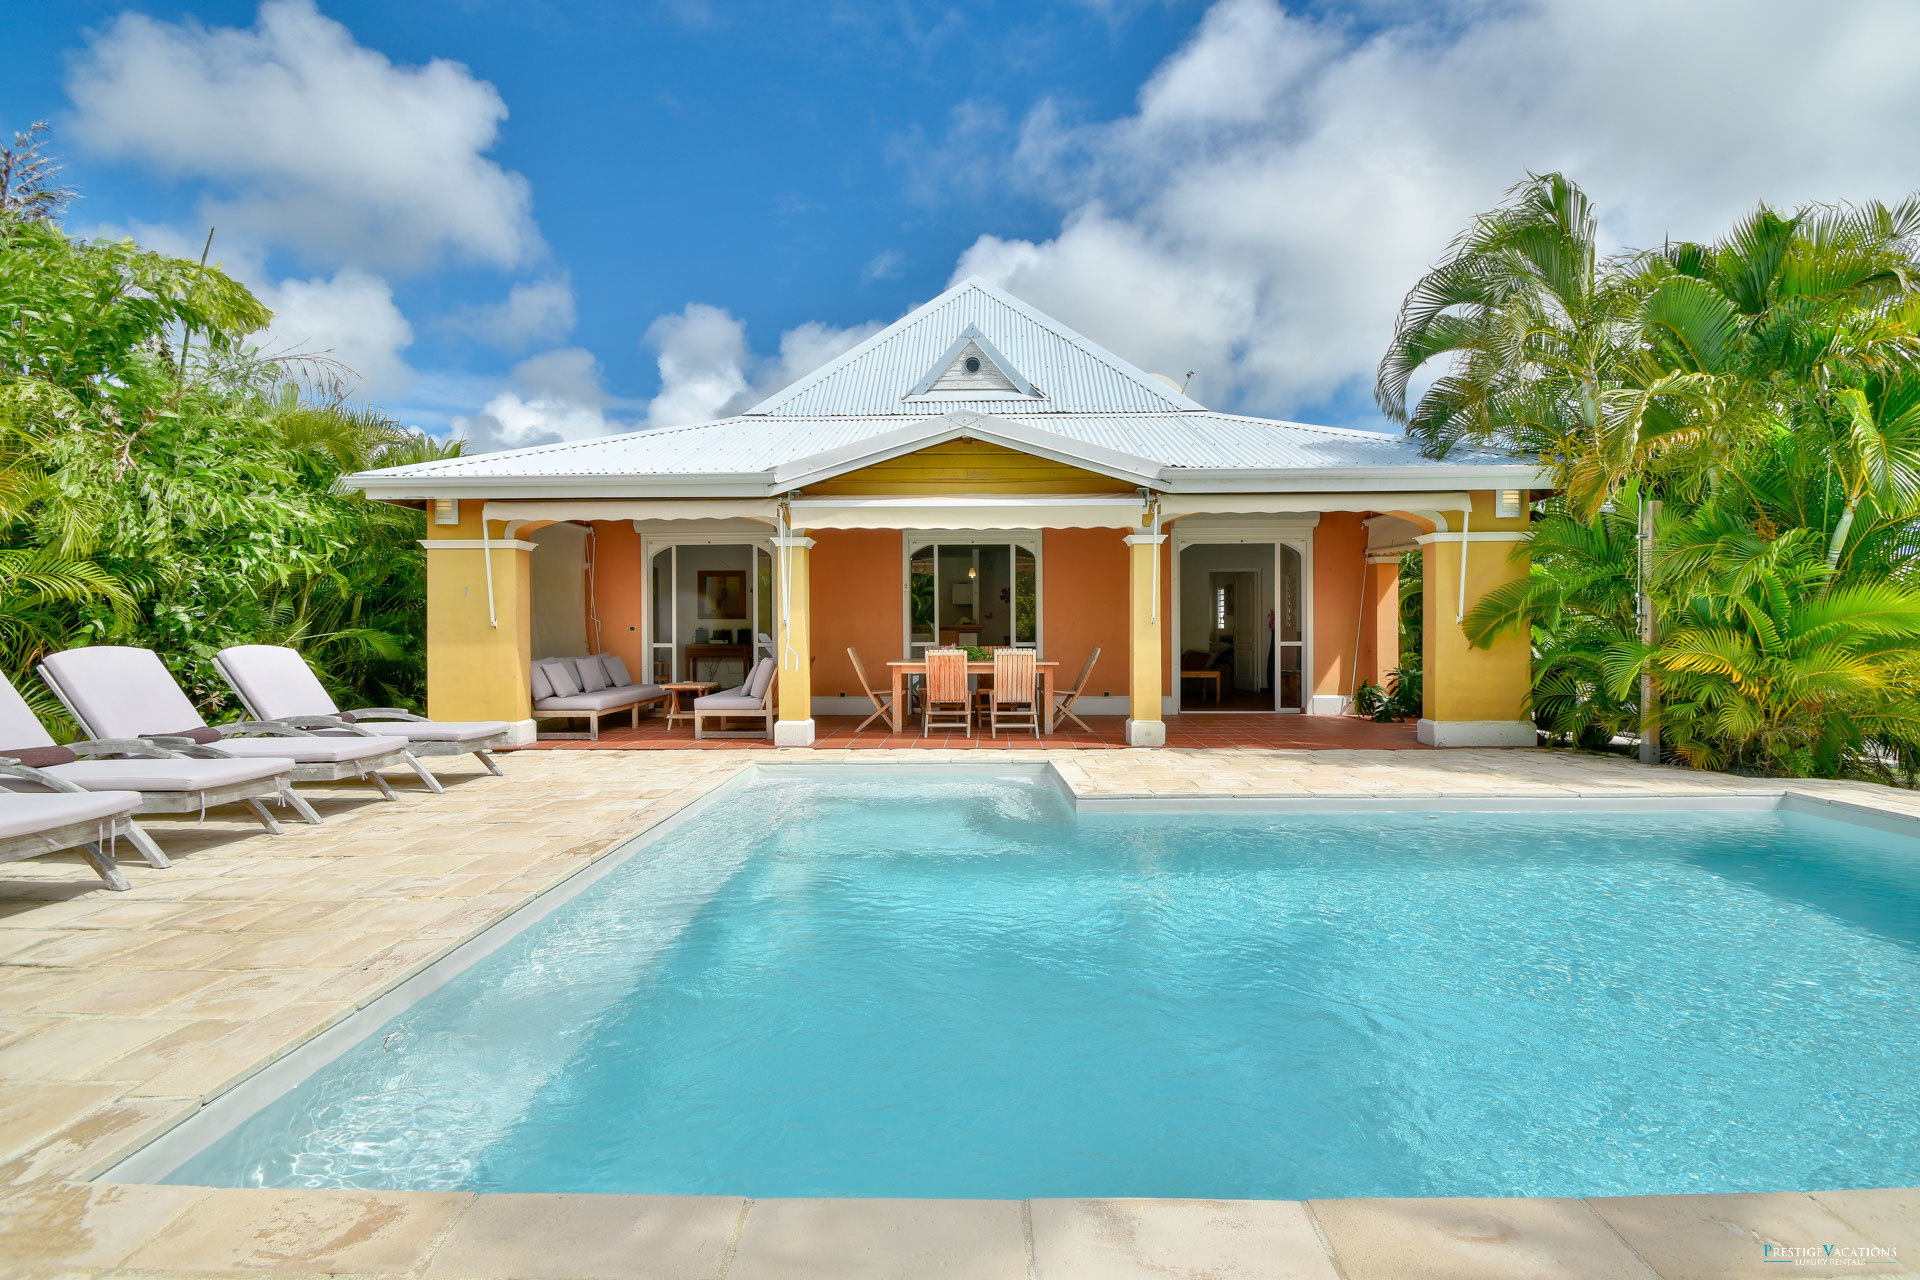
527,221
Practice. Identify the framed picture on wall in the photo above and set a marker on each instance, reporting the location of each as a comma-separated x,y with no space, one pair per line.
722,593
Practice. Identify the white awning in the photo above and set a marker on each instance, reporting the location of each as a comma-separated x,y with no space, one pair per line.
967,513
1236,504
762,509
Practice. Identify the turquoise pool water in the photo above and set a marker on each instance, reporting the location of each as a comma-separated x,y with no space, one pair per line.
959,988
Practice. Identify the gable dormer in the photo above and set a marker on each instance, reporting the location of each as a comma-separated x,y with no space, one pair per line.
971,366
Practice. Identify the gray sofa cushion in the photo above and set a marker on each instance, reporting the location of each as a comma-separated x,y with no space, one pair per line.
617,675
598,700
761,678
542,687
561,676
591,676
729,702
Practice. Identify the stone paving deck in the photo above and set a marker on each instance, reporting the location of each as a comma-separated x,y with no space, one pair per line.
122,1013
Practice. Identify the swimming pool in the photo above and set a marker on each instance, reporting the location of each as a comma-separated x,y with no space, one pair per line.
958,987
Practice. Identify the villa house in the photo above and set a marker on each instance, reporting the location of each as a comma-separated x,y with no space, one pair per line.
978,473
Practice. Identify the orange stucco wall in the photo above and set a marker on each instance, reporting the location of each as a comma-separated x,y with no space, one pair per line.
857,599
618,575
1339,578
1084,603
1380,642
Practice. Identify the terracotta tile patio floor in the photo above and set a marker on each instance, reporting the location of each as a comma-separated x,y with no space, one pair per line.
1214,730
122,1013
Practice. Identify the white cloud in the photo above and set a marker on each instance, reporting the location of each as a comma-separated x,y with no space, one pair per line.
555,396
534,311
324,147
707,370
1283,181
884,265
349,318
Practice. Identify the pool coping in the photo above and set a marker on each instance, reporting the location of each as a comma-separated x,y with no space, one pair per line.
102,1225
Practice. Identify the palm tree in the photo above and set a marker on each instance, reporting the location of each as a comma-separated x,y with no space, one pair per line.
1768,666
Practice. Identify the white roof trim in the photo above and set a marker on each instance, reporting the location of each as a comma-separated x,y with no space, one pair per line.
765,510
1038,512
972,334
1194,504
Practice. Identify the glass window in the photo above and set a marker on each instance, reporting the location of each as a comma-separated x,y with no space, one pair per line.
1289,594
920,595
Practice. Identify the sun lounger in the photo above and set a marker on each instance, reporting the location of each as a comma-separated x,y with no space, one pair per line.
753,700
116,692
166,780
64,817
275,684
588,688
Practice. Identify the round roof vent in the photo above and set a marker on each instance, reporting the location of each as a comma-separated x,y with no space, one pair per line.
973,364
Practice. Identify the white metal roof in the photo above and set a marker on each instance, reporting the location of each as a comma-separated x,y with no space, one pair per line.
1083,406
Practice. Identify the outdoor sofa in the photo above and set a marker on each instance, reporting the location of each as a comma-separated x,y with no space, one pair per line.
587,688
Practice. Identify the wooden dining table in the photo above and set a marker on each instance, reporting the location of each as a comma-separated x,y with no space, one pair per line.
918,667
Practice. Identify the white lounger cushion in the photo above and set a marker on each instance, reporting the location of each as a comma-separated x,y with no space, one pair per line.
23,813
19,727
344,749
433,730
168,775
120,692
276,682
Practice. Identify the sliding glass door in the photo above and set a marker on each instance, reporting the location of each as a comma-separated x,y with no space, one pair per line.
709,602
975,591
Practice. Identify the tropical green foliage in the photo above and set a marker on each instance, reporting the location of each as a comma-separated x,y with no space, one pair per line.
1764,389
161,484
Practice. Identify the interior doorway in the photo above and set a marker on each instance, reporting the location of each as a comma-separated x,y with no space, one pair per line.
710,614
1241,645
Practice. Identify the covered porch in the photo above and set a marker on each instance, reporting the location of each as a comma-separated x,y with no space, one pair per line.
1217,620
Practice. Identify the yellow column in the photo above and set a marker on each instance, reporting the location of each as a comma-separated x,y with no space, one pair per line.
1474,697
1145,611
794,640
479,650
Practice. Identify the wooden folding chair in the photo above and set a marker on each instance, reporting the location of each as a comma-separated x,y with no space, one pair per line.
882,699
947,703
1016,700
1063,699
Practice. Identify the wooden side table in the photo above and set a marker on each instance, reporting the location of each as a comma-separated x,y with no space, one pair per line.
1209,675
689,689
